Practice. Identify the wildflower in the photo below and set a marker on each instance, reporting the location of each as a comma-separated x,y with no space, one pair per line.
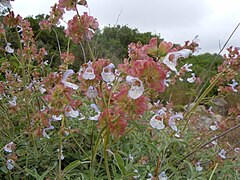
92,92
61,153
198,166
162,176
157,122
57,118
186,67
233,85
9,147
170,59
42,89
222,154
95,118
137,88
137,176
69,112
10,164
5,3
89,72
13,102
166,82
9,49
107,73
214,127
172,122
44,131
191,79
68,73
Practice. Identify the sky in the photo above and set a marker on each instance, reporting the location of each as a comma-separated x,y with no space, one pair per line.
174,20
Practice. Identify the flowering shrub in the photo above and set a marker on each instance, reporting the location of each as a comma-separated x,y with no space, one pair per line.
102,121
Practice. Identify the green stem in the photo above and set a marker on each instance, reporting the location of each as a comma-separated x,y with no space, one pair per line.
106,155
94,151
60,149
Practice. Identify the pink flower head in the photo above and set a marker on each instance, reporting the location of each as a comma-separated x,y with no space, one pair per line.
136,89
68,73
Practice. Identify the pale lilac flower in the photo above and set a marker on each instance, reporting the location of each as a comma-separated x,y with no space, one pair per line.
107,73
137,176
89,72
162,176
180,79
210,110
95,118
157,122
166,82
172,122
68,73
57,118
162,111
42,89
5,3
237,150
198,166
187,67
13,102
92,92
136,89
10,164
9,147
233,85
192,79
9,49
171,64
69,112
82,117
215,126
44,131
222,154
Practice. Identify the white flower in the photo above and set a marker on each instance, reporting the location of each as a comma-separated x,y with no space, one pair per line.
61,152
233,85
172,122
92,92
9,147
57,118
42,89
82,117
192,79
13,102
69,112
215,126
95,118
171,64
44,131
89,72
157,122
5,3
199,168
68,73
136,89
107,73
10,164
162,176
187,67
8,48
137,176
166,81
222,154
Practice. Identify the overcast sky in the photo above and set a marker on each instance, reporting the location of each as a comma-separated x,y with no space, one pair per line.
174,20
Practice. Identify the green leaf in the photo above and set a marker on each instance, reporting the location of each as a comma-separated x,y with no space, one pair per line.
71,166
120,162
